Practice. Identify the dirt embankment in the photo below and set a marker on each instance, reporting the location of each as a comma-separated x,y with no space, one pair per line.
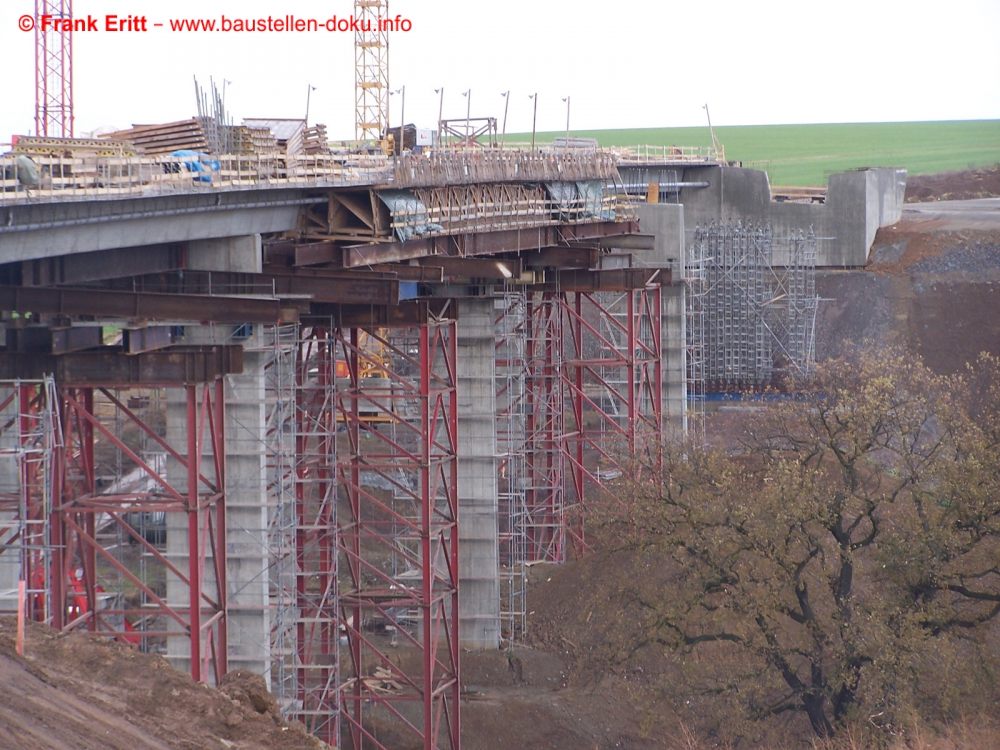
935,291
73,692
953,186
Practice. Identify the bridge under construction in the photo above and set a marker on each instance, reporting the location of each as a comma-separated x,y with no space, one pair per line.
311,413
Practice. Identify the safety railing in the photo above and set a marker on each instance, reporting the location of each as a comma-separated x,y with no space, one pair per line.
77,177
646,154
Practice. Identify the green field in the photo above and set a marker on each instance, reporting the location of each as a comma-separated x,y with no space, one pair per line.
808,154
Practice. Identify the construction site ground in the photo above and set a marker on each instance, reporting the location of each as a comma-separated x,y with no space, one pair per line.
76,692
932,284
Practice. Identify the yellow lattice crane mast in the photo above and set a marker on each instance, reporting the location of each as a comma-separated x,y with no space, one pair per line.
371,83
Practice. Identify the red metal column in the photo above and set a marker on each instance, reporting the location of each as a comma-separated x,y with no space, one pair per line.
78,597
400,544
316,649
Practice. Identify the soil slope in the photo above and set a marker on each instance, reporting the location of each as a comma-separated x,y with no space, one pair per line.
72,692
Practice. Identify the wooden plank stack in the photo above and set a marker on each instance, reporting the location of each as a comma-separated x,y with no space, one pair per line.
164,139
314,140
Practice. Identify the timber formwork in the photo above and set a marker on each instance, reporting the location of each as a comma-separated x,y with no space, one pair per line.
399,475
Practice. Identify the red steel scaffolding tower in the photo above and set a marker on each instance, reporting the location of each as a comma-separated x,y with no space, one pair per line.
613,380
594,393
79,559
53,69
399,473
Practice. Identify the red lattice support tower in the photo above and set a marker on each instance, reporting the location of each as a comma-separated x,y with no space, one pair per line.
400,542
78,599
53,69
544,427
613,378
316,665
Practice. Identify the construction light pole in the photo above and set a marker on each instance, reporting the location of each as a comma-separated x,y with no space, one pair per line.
534,119
440,114
310,88
566,144
468,114
506,104
402,114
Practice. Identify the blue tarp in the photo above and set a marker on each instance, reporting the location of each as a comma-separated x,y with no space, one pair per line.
199,162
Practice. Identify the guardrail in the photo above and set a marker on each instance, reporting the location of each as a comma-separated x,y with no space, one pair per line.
645,154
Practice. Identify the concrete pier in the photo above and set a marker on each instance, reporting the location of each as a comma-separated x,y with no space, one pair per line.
247,556
479,602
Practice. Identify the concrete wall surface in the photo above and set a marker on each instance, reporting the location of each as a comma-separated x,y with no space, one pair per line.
666,222
857,204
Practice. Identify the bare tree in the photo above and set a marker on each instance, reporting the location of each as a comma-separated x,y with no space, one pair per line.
855,525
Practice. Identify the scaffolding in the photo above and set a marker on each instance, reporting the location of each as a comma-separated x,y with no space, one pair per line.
613,382
399,541
92,585
749,318
315,563
792,313
545,402
510,372
28,436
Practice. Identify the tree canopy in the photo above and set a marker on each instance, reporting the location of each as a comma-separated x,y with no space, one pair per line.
846,533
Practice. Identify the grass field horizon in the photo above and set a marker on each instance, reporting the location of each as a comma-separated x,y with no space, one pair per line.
809,154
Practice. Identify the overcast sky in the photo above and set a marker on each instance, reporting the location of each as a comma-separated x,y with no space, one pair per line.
643,63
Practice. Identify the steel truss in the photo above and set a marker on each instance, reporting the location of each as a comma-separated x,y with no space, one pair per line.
613,377
399,544
545,405
80,561
371,60
593,366
53,69
28,436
